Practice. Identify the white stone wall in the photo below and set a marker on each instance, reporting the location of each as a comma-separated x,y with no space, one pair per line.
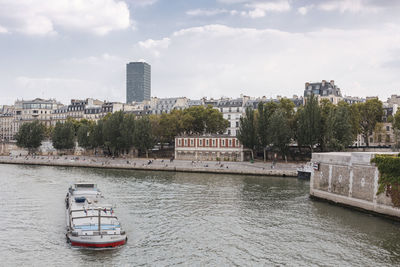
350,179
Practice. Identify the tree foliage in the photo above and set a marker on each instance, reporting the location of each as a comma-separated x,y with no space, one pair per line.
281,132
30,135
203,120
63,135
396,120
341,132
389,180
370,113
143,138
247,134
112,133
309,123
83,136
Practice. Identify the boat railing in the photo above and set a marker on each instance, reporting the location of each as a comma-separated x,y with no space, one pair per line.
91,209
94,216
97,233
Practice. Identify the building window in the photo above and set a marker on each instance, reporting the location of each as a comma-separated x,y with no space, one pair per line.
387,138
179,142
230,109
185,142
237,124
213,142
237,109
229,131
388,128
200,142
191,142
230,142
207,142
229,116
237,142
223,142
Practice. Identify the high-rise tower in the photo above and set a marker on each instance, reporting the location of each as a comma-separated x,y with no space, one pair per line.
138,82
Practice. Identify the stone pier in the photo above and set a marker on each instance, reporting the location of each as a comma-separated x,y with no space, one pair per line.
350,179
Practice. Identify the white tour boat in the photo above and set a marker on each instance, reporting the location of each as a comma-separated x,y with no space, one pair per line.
90,222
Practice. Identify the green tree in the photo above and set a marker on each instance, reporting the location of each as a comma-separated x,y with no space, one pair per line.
396,120
265,110
287,107
308,124
83,136
143,138
167,126
194,120
247,133
30,135
341,128
370,113
96,135
396,127
379,132
281,133
262,129
214,121
112,134
354,118
127,131
63,136
327,110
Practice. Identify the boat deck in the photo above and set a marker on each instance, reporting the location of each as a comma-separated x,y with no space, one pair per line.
84,215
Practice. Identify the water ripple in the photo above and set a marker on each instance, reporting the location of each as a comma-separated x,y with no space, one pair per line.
189,219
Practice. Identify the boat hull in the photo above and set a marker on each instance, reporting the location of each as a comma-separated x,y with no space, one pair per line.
97,242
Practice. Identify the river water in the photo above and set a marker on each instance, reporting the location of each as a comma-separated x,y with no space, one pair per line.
189,219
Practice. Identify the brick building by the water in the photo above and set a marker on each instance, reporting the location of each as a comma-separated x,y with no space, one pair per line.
209,147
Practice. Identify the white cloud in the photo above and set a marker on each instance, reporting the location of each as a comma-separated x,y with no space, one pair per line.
232,1
93,60
352,6
63,89
259,10
142,3
50,87
304,9
155,45
3,29
210,12
216,60
41,17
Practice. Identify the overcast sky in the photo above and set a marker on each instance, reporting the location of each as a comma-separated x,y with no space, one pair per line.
67,49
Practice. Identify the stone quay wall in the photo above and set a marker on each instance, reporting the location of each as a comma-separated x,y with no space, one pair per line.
240,168
350,179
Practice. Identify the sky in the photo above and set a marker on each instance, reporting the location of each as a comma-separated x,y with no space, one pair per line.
77,49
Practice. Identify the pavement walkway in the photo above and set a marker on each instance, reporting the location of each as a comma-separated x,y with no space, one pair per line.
257,168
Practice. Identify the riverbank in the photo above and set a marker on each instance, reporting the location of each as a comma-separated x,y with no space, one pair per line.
243,168
350,179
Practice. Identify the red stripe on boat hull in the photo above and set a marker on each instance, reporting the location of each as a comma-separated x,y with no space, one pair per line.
101,245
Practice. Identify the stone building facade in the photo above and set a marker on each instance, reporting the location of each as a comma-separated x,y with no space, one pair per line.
209,147
323,90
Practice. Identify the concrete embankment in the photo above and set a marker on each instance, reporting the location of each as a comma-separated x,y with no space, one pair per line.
242,168
351,180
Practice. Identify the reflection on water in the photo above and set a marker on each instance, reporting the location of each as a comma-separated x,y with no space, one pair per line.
189,219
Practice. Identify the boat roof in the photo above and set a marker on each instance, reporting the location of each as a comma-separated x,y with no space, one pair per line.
85,186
